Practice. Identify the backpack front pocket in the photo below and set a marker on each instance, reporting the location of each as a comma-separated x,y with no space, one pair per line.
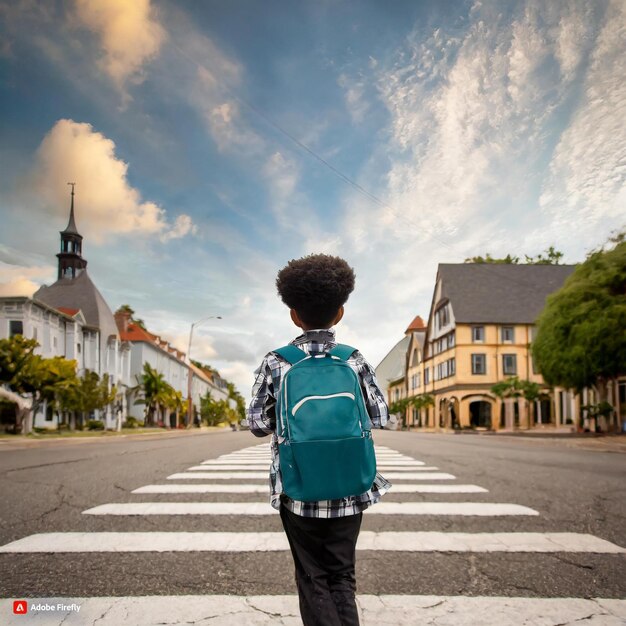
330,469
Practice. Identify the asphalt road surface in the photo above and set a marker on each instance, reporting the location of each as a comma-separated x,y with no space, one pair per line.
477,530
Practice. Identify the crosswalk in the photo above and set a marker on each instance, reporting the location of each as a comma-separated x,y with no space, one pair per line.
236,484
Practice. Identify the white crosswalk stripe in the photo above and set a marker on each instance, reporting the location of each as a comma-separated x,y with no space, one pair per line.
263,508
276,541
255,466
245,473
262,488
218,475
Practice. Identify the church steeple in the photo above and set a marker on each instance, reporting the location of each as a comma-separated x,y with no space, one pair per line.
71,263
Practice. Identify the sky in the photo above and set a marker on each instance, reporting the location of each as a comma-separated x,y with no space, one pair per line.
211,142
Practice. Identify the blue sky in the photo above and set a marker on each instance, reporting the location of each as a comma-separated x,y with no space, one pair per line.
197,135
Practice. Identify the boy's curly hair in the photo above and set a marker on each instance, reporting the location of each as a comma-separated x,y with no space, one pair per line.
316,286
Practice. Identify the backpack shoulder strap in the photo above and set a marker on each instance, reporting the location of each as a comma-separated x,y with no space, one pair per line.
343,351
290,353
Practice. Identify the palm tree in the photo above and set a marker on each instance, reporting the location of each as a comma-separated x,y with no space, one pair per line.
156,392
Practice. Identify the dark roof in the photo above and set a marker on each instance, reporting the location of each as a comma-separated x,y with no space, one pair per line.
81,293
500,293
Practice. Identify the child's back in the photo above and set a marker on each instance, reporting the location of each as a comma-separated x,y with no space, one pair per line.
322,533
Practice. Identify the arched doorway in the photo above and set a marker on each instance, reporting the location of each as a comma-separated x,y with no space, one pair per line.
480,414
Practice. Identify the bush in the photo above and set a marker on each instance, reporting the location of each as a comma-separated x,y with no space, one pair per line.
95,425
132,422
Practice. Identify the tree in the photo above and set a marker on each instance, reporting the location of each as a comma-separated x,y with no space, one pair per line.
240,403
88,393
214,412
126,308
580,339
156,393
419,402
552,257
27,373
548,257
514,387
508,259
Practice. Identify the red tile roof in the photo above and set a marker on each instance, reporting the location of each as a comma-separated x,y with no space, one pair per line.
137,333
416,324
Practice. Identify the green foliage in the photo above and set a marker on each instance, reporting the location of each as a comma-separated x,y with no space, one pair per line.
86,394
27,373
233,394
580,338
132,422
420,401
156,393
603,409
126,308
214,412
552,257
95,425
548,257
514,387
508,259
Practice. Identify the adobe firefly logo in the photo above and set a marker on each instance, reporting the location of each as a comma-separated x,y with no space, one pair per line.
20,607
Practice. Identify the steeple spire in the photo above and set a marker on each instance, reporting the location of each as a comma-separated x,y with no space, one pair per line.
71,263
71,225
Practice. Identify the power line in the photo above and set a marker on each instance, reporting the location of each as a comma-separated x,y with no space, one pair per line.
372,197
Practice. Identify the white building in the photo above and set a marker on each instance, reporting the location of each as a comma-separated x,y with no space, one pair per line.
146,347
71,319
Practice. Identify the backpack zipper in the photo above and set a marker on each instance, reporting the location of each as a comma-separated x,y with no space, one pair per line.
344,394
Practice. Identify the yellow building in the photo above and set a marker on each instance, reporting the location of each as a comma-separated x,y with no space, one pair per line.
479,332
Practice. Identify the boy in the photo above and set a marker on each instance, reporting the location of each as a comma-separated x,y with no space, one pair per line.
322,535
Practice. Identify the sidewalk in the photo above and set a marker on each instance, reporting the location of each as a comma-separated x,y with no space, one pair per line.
16,442
605,442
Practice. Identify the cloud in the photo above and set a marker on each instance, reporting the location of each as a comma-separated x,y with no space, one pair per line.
183,225
354,95
129,32
586,186
282,178
106,203
17,280
475,109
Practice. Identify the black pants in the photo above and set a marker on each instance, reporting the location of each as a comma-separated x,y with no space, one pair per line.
324,555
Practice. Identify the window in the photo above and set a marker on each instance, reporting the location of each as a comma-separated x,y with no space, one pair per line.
478,334
35,332
444,369
508,334
54,342
442,316
479,364
509,364
78,348
426,375
16,327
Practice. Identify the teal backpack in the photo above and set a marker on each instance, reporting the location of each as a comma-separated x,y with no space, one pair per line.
325,444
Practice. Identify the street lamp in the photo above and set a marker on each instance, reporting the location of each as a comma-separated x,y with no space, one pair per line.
190,372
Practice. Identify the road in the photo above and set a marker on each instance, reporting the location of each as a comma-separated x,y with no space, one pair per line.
526,530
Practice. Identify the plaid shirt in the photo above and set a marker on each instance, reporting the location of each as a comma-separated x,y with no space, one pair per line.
262,421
